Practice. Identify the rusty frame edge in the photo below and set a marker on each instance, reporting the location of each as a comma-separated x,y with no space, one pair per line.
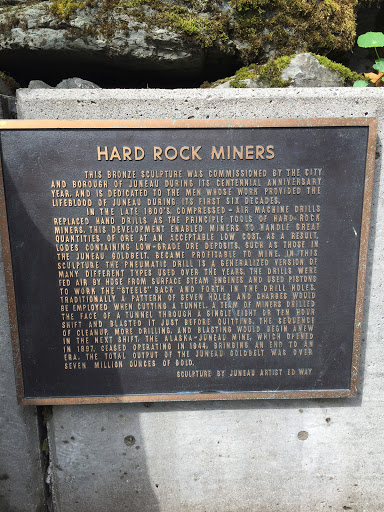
363,252
189,397
183,123
370,122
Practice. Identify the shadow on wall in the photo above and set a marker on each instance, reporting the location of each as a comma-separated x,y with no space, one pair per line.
98,459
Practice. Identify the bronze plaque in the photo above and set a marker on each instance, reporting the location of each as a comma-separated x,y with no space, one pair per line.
189,260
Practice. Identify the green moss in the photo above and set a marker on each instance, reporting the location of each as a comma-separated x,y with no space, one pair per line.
289,25
65,8
270,73
184,17
45,447
237,85
206,85
247,72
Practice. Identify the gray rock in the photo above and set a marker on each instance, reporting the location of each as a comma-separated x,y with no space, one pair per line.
247,83
250,83
305,70
132,42
143,38
224,85
76,83
7,107
38,84
5,89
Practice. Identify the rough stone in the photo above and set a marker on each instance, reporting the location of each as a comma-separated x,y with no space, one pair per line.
246,456
134,44
5,89
247,83
76,83
184,39
38,84
68,83
302,70
305,70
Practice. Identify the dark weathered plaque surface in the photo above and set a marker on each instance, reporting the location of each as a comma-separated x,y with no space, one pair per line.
186,260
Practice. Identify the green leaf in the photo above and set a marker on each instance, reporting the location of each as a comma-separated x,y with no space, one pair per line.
379,65
371,40
360,83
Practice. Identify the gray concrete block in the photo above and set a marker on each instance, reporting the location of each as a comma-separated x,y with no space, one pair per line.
250,456
21,475
197,103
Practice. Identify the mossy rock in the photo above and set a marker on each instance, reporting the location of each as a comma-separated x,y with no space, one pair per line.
292,25
255,28
188,38
272,74
348,76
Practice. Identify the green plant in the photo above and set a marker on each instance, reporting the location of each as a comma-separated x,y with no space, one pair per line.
372,40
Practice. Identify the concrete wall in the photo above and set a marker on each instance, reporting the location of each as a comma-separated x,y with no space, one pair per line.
21,475
308,455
